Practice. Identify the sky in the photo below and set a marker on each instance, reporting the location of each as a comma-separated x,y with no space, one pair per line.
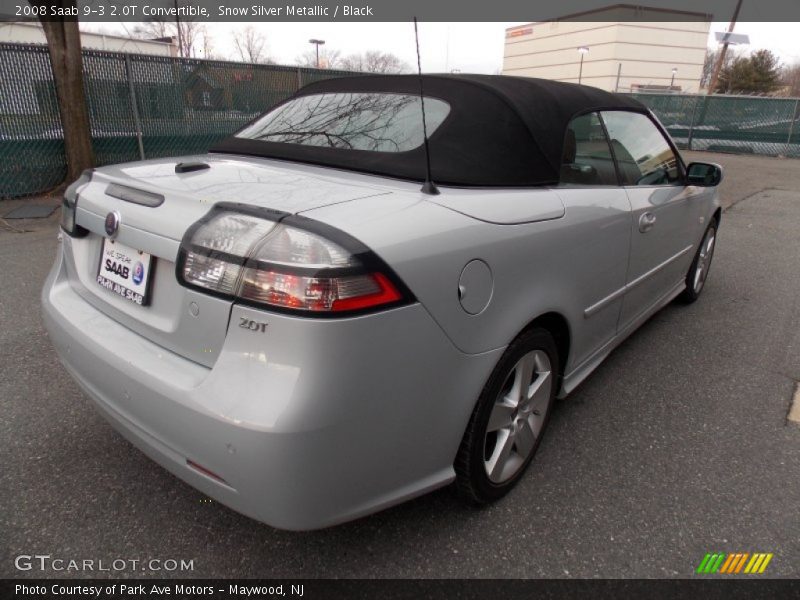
468,47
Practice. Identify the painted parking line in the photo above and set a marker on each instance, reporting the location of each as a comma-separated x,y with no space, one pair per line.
794,409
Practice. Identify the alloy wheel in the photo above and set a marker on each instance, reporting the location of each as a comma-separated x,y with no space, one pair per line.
517,417
704,260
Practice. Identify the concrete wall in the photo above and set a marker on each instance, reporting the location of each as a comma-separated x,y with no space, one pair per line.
30,33
648,51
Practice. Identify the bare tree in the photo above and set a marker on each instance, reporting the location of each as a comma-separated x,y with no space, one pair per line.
66,60
711,60
208,50
374,61
154,29
251,45
191,36
790,77
328,59
708,67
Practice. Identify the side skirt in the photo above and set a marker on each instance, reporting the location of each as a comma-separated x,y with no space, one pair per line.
582,371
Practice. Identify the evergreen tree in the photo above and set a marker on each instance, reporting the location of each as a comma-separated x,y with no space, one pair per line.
758,73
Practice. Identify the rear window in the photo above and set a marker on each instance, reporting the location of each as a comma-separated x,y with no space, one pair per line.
375,122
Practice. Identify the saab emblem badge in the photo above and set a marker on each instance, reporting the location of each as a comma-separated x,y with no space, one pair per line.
112,223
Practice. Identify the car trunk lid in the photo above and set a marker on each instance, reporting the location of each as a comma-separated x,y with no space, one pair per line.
187,322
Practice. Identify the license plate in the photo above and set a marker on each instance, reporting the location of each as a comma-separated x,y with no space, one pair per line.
125,271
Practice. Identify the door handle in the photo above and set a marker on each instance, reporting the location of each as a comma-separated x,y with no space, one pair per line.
646,222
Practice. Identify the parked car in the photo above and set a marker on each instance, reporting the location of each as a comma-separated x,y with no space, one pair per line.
297,328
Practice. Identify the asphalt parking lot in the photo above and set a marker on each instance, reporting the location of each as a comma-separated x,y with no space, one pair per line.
678,445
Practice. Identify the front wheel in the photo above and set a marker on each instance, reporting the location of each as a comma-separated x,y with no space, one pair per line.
509,419
698,272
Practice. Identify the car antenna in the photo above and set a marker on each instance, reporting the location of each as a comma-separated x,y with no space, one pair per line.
428,187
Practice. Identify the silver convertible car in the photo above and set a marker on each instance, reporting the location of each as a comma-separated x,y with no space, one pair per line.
337,309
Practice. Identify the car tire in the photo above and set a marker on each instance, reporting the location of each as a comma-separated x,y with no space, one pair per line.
698,271
509,419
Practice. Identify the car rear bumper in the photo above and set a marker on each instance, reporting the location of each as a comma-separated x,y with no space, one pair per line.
312,423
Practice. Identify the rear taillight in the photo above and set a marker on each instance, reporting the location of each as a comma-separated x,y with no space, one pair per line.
285,262
69,205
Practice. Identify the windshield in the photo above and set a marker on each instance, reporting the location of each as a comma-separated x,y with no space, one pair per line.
376,122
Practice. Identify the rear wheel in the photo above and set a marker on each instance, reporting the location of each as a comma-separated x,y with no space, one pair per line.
509,419
698,272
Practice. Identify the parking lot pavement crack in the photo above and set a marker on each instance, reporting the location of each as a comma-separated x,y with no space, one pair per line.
9,227
754,195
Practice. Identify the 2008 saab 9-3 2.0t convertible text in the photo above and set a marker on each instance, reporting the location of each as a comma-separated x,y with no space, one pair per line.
296,327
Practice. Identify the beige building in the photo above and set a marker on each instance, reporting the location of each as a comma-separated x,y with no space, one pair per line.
32,33
624,48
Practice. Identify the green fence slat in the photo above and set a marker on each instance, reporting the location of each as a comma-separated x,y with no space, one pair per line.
738,124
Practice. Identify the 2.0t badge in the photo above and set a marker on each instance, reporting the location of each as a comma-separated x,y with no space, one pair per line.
246,323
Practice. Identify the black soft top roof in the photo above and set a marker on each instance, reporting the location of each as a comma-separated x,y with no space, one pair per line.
501,130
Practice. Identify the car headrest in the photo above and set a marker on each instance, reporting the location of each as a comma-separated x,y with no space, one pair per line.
570,147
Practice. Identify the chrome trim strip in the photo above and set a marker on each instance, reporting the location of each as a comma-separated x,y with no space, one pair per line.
597,306
582,371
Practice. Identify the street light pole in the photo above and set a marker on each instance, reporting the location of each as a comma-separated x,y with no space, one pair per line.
672,81
316,43
582,50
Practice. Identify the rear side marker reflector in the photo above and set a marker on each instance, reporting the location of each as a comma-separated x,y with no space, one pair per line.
206,472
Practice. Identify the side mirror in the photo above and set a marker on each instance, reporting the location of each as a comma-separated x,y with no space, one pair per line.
704,174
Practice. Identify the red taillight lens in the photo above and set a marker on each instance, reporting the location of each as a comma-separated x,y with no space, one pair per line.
287,263
334,294
385,294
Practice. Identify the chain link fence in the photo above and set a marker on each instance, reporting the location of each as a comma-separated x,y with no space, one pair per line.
31,140
736,124
143,106
140,106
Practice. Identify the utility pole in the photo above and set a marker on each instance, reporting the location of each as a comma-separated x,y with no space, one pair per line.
721,58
